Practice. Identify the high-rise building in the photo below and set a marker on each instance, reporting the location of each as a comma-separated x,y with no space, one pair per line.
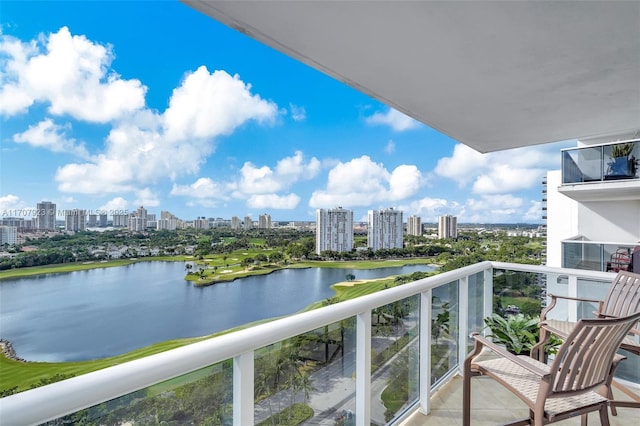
248,223
334,230
167,224
75,220
235,223
138,221
414,226
46,216
264,221
201,223
385,229
447,227
102,220
93,220
8,235
121,220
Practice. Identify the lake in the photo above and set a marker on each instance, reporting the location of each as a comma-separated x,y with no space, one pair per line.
109,311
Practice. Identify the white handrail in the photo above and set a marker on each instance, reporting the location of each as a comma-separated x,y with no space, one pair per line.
62,398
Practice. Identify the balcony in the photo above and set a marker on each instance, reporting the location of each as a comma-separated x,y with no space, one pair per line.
605,172
579,253
341,360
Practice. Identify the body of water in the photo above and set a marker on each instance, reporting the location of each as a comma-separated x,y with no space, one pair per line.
104,312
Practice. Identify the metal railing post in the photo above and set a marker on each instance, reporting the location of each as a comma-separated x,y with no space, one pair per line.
243,389
363,368
425,352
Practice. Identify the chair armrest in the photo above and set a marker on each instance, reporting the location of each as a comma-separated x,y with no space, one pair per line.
554,298
482,341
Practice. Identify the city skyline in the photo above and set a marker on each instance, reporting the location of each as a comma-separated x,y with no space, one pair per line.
200,120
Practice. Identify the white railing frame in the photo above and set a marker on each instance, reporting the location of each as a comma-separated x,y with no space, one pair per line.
66,397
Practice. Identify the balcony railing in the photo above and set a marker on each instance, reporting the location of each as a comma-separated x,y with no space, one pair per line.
597,163
600,256
341,359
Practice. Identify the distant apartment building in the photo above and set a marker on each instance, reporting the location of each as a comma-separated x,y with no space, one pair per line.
385,229
19,222
248,223
334,230
264,221
167,224
235,223
138,220
447,227
93,220
8,235
75,220
414,226
46,216
201,222
102,220
121,220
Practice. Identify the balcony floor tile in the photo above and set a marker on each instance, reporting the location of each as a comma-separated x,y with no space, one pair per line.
492,404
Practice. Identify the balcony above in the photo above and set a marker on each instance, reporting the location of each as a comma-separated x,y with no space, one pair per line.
606,172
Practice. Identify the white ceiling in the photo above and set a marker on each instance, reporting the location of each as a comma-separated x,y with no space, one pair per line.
490,74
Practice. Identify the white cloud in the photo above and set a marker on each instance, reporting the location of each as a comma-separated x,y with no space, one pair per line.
298,113
10,202
505,178
463,166
46,134
390,148
273,201
211,104
150,147
361,182
70,73
534,213
118,204
203,188
146,197
500,172
394,119
430,208
259,186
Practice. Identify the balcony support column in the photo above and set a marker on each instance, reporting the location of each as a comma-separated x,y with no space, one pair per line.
363,368
463,321
488,293
572,305
243,389
425,352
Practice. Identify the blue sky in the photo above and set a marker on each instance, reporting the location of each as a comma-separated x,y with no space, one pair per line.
112,105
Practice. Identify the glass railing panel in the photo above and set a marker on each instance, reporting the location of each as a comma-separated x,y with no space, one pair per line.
475,319
202,397
518,292
601,163
597,256
395,368
621,160
308,379
444,330
582,165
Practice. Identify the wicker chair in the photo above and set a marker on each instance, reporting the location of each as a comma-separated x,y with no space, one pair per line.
622,300
566,388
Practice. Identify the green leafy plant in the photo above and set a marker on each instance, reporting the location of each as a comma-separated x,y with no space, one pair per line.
518,333
621,150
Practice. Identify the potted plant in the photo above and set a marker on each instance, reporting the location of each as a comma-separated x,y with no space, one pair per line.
622,163
518,333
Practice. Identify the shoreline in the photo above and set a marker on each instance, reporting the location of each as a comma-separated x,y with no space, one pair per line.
9,352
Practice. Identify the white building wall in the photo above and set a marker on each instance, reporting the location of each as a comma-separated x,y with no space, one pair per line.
562,218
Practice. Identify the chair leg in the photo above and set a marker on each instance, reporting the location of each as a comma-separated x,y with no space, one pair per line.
466,397
604,415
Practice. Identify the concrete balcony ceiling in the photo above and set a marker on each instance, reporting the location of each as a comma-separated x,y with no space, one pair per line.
491,74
